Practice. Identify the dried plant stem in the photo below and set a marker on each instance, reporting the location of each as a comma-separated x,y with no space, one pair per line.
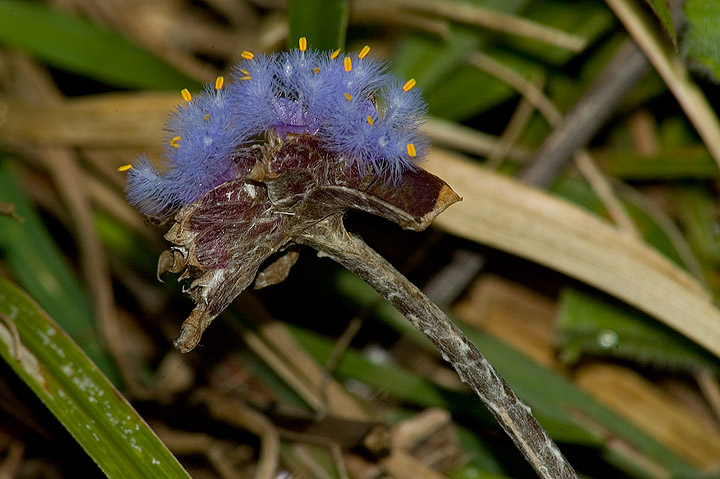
330,239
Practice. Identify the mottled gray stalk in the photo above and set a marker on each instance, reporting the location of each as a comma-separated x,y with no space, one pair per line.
330,239
627,67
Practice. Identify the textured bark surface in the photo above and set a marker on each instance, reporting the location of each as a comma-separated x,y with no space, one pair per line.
330,239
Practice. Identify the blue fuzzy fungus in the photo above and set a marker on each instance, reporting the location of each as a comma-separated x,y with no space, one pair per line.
351,104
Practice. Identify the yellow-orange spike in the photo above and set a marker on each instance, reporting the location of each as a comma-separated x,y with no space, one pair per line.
335,54
219,82
186,94
316,70
409,84
174,142
348,96
348,64
124,167
247,55
370,120
302,43
206,117
245,72
411,150
363,53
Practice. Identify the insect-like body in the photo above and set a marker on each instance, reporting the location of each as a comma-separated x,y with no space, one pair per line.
351,104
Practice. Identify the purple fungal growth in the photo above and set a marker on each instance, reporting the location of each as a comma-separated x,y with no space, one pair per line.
351,104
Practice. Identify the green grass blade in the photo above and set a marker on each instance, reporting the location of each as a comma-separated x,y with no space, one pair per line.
322,22
594,325
680,163
79,46
78,394
37,263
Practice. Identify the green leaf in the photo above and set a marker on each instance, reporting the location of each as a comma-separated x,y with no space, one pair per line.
661,8
78,394
79,46
700,43
322,22
599,326
40,267
688,162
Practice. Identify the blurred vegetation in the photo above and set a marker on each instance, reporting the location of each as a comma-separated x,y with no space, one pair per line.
316,377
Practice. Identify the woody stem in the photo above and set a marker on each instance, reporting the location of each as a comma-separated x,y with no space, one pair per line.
330,239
